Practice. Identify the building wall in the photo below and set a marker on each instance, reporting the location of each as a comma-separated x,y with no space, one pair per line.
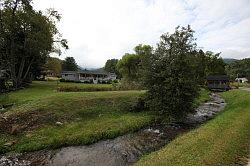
88,77
70,76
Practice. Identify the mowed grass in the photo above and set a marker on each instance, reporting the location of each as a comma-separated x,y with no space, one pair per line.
219,142
43,89
85,117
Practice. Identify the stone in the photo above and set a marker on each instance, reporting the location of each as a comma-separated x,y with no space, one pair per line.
10,143
8,105
59,123
15,129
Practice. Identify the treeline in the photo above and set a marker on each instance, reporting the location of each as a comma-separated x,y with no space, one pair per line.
172,72
239,68
134,66
54,67
27,38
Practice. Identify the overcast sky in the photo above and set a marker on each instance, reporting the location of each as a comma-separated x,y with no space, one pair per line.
98,30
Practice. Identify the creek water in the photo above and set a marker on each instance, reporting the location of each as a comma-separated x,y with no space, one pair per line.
123,150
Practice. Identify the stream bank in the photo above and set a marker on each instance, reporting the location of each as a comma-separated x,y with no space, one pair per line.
123,150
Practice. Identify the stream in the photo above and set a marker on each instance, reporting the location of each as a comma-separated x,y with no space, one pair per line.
123,150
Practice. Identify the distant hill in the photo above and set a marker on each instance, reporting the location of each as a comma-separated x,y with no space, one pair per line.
229,60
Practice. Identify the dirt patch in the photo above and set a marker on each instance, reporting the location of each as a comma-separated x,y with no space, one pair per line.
27,121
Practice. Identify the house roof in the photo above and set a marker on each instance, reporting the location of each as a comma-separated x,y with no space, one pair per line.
69,72
86,72
218,78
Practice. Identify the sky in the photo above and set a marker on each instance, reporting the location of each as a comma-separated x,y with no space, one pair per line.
98,30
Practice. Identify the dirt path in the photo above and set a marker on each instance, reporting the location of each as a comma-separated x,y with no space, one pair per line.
124,150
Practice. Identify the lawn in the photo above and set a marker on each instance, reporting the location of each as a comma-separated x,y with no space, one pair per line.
221,141
43,89
43,118
85,117
236,84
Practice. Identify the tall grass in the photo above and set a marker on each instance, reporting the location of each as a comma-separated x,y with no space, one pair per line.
219,142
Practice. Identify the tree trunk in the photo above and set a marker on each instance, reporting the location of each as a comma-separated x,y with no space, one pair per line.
28,69
2,85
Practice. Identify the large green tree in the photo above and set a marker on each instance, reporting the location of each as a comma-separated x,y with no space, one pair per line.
128,66
132,66
111,67
69,64
54,65
214,64
170,78
206,64
27,37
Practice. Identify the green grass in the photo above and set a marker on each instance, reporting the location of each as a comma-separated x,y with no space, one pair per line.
86,117
80,87
44,89
219,142
236,84
203,97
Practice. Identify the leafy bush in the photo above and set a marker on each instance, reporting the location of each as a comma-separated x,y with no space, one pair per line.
134,105
170,76
71,81
128,85
83,89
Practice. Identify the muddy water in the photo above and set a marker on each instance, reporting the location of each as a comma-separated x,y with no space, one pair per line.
123,150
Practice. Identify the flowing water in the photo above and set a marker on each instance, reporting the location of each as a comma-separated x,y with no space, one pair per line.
123,150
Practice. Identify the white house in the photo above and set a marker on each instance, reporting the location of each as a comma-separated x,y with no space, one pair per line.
241,80
87,75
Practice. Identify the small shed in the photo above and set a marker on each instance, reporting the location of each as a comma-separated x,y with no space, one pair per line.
218,82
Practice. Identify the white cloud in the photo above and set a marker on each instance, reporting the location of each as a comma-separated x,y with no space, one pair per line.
98,30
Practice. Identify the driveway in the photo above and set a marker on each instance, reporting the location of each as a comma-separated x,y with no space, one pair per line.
245,88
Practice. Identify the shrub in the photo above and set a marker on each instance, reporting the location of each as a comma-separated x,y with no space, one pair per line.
133,105
83,89
170,77
128,85
62,80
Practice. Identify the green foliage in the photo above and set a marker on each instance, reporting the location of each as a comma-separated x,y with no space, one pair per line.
71,87
170,77
110,66
240,68
125,84
214,64
132,66
206,64
27,38
222,141
69,64
128,66
54,65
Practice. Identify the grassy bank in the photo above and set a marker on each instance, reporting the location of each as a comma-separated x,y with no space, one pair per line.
43,89
219,142
43,118
60,119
